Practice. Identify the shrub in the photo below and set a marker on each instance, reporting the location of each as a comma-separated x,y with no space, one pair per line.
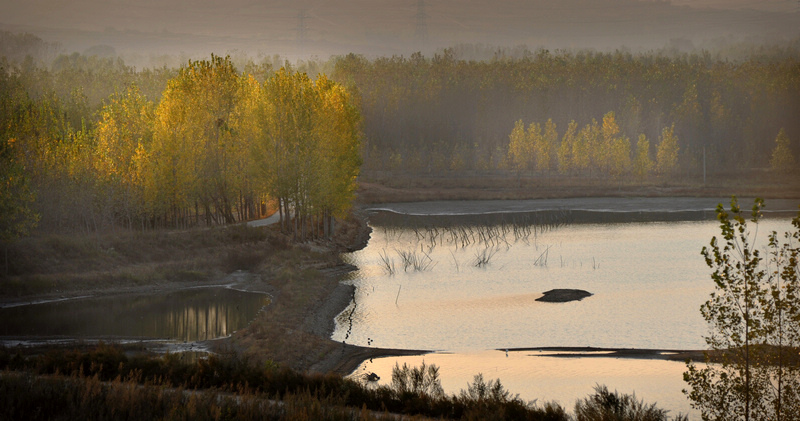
607,406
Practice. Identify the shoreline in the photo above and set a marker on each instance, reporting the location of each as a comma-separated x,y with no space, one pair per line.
344,358
296,327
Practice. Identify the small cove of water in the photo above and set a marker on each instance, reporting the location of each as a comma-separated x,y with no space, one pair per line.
188,315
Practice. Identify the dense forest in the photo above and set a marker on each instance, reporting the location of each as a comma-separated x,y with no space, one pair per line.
446,114
89,143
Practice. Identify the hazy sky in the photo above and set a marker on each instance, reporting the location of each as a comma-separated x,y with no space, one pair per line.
773,5
391,26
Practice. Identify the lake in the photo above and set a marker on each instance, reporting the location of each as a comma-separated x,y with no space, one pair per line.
462,278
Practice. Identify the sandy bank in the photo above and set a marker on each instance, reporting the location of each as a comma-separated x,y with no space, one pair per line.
624,205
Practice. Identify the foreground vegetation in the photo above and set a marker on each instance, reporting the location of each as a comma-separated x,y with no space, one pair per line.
103,382
754,316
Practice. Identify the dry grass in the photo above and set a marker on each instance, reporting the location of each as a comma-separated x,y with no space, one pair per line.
104,383
280,333
88,398
56,263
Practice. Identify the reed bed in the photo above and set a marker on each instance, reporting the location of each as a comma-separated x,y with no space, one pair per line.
417,262
481,230
482,258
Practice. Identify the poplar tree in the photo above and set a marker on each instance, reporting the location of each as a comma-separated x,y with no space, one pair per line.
548,149
782,159
249,187
581,147
642,164
520,152
591,144
286,144
754,320
124,132
193,143
16,197
308,149
565,149
605,148
667,151
537,146
619,156
338,130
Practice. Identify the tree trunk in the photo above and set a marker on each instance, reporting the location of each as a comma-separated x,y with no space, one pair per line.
280,213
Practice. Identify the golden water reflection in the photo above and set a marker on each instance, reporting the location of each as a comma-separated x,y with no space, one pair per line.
543,377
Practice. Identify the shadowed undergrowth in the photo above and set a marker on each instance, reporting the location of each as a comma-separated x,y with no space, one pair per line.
103,382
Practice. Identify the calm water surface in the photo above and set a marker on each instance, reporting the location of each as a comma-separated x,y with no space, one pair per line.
648,280
538,376
189,315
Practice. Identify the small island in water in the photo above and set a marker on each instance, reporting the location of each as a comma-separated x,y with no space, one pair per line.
563,295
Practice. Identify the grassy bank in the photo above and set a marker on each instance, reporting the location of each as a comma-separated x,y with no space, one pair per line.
76,263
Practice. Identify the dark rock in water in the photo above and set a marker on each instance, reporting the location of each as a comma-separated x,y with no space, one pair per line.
564,295
372,377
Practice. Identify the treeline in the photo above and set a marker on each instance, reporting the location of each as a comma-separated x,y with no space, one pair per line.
202,145
90,142
597,149
443,113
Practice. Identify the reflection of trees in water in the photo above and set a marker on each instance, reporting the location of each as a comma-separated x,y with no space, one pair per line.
200,314
197,322
189,315
492,232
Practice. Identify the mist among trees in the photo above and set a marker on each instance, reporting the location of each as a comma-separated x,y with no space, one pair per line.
446,114
216,146
90,143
